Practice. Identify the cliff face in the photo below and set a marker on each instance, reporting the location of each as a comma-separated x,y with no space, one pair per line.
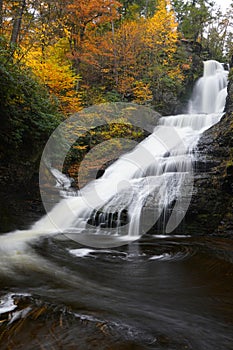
211,209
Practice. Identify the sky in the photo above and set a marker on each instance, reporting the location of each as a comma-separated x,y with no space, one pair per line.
223,4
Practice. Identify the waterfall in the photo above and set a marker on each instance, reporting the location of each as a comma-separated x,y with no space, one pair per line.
210,92
144,184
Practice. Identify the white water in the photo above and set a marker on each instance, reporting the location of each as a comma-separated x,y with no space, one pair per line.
210,92
157,168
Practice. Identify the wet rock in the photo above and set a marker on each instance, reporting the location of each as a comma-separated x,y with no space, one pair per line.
20,203
35,324
210,211
108,220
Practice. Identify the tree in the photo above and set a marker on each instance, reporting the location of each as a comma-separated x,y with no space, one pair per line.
216,36
161,34
193,16
17,22
137,57
133,9
48,26
1,16
28,115
83,16
55,71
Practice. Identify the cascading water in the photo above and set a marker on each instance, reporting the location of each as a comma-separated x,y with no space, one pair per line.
154,176
159,166
210,92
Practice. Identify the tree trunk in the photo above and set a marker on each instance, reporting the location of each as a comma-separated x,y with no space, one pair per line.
17,23
146,8
1,15
115,54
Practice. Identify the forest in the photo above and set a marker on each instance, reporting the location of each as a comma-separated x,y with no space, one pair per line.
117,234
58,57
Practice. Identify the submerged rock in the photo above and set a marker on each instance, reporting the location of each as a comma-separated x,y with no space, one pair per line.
34,324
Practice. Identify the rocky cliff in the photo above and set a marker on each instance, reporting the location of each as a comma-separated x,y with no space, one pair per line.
211,209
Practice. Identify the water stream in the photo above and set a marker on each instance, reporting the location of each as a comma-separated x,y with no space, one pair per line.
162,292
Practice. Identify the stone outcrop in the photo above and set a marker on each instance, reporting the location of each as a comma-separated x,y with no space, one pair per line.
211,209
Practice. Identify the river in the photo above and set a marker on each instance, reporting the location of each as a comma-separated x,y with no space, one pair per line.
158,293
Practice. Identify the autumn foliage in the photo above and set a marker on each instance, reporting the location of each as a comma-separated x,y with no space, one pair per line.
133,58
57,74
93,51
88,51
